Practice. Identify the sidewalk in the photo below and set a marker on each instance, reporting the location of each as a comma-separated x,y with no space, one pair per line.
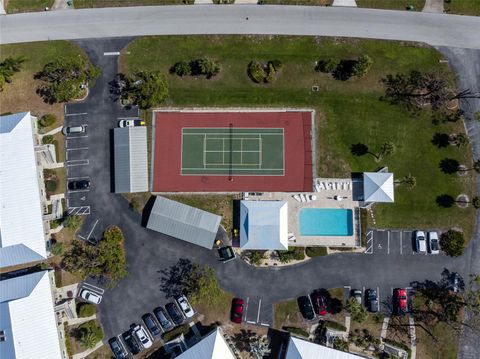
52,132
435,6
87,352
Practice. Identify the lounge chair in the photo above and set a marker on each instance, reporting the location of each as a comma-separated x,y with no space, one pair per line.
303,198
297,198
313,197
317,187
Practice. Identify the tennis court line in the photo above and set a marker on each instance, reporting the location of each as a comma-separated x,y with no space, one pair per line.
204,151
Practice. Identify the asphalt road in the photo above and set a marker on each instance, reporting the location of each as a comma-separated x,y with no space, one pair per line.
433,29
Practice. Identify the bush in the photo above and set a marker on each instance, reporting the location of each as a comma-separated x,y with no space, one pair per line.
47,120
476,202
181,68
68,345
205,66
293,253
254,257
47,140
362,66
256,71
316,251
357,311
51,185
55,223
57,249
326,66
90,333
270,73
172,334
452,243
74,221
298,331
86,310
277,64
334,325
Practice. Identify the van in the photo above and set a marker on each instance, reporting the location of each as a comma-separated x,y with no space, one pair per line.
420,241
73,129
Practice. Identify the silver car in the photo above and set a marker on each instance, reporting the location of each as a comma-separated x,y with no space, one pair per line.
90,296
74,129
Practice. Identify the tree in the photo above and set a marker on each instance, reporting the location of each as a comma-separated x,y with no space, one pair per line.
207,67
326,66
408,181
47,120
73,221
476,167
8,68
181,68
340,344
357,311
259,347
90,334
88,339
441,140
151,89
65,79
256,72
362,66
452,243
386,149
459,139
254,257
449,165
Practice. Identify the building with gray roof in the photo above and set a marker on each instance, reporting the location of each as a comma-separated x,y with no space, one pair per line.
184,222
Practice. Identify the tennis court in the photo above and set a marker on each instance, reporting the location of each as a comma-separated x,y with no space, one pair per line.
233,151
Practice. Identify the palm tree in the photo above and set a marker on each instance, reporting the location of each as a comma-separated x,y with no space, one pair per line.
408,181
476,167
386,150
88,339
460,139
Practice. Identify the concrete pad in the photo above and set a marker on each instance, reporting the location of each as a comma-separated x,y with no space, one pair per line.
349,3
435,6
203,2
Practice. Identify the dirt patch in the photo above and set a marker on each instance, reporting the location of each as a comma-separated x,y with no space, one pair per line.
462,201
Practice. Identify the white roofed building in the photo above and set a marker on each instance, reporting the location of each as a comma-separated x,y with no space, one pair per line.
303,349
263,225
28,327
378,187
212,346
22,234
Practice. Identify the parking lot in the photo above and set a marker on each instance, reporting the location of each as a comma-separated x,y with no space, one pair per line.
258,312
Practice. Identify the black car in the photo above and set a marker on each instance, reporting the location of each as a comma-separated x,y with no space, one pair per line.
151,324
226,254
117,348
372,300
131,342
163,319
306,307
78,185
174,313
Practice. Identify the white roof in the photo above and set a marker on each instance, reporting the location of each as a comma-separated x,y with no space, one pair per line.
264,225
213,346
21,219
303,349
27,318
378,187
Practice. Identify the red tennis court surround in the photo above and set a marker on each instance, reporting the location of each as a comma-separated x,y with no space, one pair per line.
297,147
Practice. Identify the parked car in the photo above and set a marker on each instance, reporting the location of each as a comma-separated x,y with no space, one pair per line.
357,294
319,303
372,300
174,313
131,123
420,242
78,185
185,306
90,296
163,319
117,348
433,243
151,324
236,314
456,283
226,254
131,342
306,308
142,336
400,300
68,130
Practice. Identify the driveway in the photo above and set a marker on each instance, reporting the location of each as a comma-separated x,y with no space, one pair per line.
433,29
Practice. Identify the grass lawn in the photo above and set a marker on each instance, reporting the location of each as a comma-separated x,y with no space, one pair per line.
391,4
104,352
57,175
220,312
463,7
287,314
298,2
80,4
20,95
373,324
348,112
14,6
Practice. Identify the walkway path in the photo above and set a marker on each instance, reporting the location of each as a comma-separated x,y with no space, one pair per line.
433,29
87,352
433,6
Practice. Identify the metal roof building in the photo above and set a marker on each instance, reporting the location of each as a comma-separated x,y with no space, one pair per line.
184,222
303,349
378,187
27,318
213,346
264,225
131,165
22,237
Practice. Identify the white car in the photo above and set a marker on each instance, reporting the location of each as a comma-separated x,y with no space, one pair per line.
185,306
130,123
90,296
420,242
141,334
433,243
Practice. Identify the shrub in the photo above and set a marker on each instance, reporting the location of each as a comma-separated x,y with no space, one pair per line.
362,66
277,64
48,139
47,120
86,310
334,325
254,257
51,185
340,344
270,73
326,66
357,311
73,221
256,71
298,331
316,251
293,253
68,345
476,202
172,334
90,333
181,68
57,249
452,243
55,223
205,66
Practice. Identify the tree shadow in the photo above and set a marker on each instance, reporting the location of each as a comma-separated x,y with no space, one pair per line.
441,140
344,70
243,338
359,149
449,165
174,280
445,200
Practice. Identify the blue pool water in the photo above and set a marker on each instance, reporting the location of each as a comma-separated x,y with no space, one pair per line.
326,222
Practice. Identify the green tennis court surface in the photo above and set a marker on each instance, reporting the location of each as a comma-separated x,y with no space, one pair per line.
233,151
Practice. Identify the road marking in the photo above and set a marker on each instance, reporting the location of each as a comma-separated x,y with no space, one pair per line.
265,324
88,237
112,53
369,237
388,242
76,114
93,288
378,301
80,191
246,309
127,118
77,149
259,305
347,287
73,163
75,178
81,211
250,322
401,244
75,137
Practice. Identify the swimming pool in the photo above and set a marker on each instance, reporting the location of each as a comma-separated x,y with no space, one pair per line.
326,222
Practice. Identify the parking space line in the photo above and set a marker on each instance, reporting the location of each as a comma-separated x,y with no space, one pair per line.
246,309
265,324
378,301
73,163
75,137
369,237
388,242
401,240
76,114
93,288
75,178
96,222
259,306
111,53
127,118
77,149
80,191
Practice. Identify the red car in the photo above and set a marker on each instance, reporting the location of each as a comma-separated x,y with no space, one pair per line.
400,297
319,303
237,310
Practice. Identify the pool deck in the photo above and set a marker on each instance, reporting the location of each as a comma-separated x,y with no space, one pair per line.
325,199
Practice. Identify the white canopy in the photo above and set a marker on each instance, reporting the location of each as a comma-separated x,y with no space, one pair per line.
302,349
378,187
